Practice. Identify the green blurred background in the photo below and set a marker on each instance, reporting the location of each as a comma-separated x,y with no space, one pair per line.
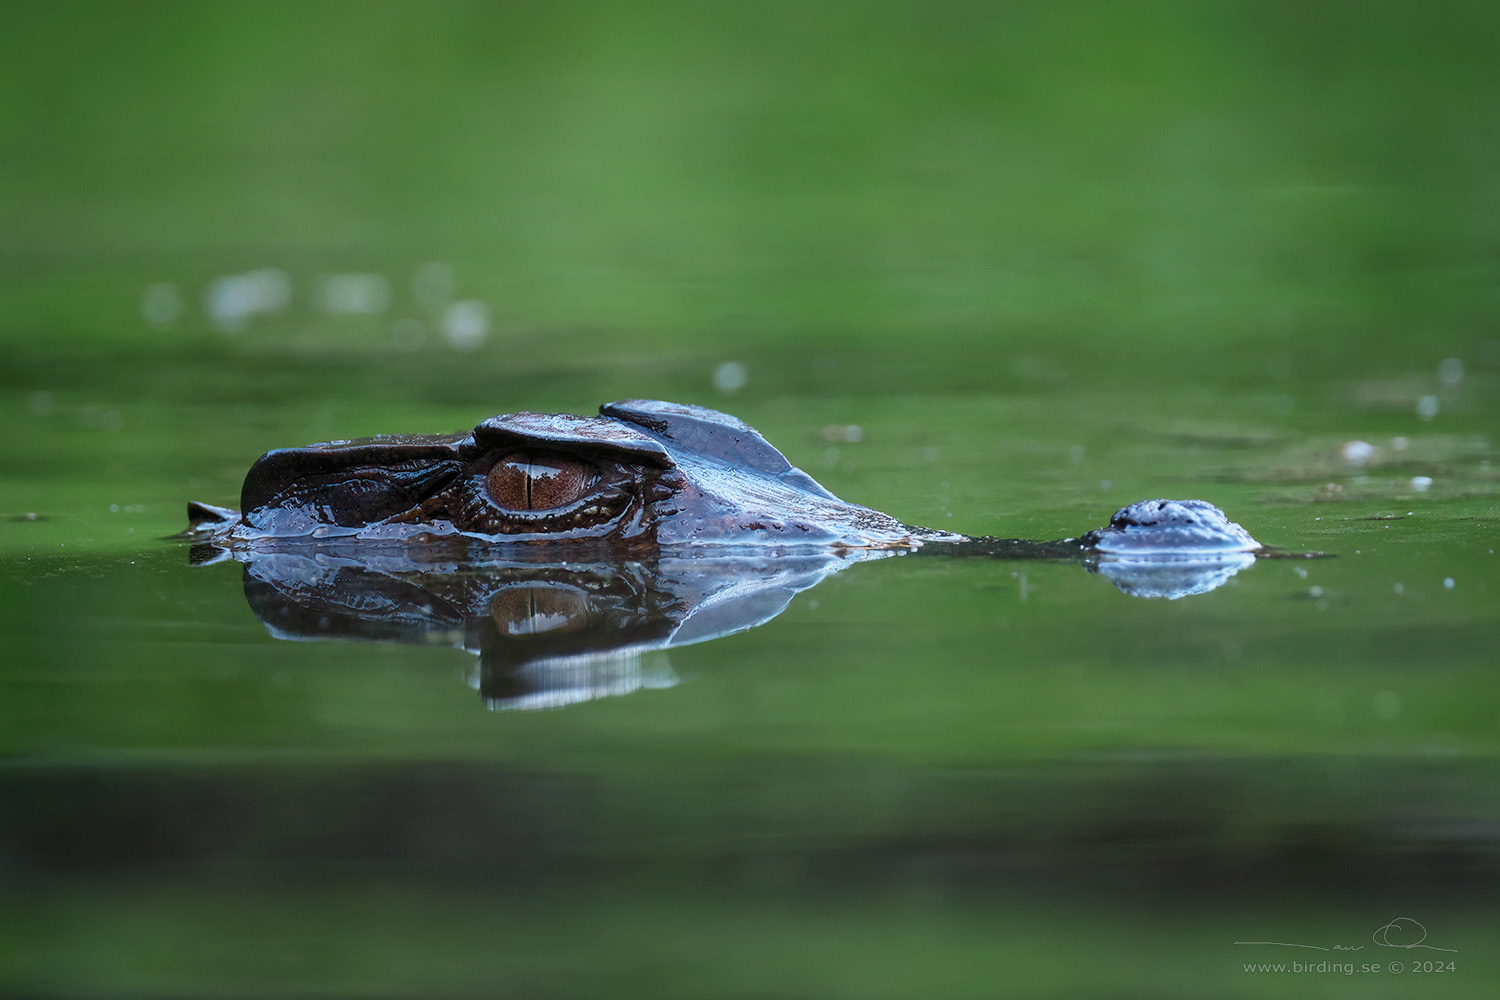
1048,257
673,173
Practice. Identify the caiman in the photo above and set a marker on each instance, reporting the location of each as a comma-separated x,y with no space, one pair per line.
560,548
643,475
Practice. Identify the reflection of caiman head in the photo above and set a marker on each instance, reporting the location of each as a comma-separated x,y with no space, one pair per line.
546,634
641,473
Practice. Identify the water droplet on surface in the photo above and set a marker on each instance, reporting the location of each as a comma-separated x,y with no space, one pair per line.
466,324
352,294
731,376
1359,452
232,300
161,304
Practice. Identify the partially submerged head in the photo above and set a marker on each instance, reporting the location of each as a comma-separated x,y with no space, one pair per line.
1166,528
642,472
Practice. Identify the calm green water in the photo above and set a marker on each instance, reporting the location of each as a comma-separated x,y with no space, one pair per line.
1048,261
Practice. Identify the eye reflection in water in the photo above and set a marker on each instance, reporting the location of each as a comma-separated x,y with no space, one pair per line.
534,608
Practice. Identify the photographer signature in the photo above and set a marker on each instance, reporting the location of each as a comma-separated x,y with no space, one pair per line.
1403,932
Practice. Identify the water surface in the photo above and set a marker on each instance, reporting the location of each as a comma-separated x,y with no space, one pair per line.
995,271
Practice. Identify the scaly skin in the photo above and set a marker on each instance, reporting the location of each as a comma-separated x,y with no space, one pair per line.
641,476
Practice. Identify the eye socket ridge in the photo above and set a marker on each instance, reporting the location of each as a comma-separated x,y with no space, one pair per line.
540,481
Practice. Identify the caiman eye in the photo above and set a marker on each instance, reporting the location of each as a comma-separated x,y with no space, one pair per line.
525,481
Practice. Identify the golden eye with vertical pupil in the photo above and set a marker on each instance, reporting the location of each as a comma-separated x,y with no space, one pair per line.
524,481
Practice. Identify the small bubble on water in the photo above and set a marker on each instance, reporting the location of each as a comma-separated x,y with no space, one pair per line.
232,300
853,433
1399,588
352,294
1359,452
161,304
1451,371
1448,583
1315,591
1076,453
99,417
1421,483
731,376
466,324
228,305
1427,407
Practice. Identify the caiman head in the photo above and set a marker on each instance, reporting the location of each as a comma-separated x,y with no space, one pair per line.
640,473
